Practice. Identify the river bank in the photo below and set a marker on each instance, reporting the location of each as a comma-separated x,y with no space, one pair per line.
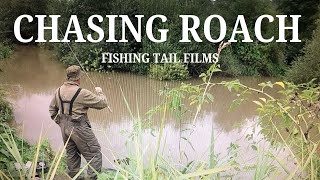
16,151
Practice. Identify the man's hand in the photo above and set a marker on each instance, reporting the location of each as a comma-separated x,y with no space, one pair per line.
98,90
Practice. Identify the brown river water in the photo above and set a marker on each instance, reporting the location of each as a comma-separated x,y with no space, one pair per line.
32,74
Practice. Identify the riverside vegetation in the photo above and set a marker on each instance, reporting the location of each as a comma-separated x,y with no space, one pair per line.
250,59
14,150
5,51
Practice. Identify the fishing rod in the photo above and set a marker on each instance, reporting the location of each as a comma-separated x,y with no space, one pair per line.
75,56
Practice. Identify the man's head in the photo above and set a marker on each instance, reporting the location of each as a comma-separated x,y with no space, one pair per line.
73,73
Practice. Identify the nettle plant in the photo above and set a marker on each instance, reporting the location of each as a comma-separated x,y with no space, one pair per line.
289,118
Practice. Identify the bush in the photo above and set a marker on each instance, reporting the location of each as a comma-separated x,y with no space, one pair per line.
307,67
6,113
230,63
176,71
5,51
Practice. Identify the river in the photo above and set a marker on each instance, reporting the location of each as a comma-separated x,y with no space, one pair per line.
32,74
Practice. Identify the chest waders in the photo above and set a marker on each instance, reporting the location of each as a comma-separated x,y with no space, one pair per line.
70,102
82,140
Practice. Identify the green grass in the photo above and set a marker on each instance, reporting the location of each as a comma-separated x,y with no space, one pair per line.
6,113
14,149
5,51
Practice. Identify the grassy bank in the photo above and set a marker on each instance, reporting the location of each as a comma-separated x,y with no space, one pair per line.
15,150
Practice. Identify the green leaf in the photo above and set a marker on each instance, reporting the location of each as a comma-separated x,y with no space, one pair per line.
262,84
206,172
280,84
254,147
258,103
203,76
263,99
210,97
269,84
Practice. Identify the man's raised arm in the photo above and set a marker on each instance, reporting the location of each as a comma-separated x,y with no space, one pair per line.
96,101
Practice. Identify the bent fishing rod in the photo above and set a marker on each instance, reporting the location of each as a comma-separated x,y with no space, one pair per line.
75,56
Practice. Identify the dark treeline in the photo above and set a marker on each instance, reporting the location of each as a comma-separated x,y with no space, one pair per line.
253,59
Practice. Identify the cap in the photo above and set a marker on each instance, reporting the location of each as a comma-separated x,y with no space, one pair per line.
73,73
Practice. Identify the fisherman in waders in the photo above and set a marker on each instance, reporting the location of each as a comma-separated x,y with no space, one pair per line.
69,109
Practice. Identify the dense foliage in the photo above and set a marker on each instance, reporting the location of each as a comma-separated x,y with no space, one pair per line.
309,11
307,66
5,51
11,9
175,71
245,58
6,113
253,59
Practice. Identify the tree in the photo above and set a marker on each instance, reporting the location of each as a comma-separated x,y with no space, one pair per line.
11,9
307,67
251,58
308,9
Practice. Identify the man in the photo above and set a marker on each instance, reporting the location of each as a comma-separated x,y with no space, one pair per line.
68,109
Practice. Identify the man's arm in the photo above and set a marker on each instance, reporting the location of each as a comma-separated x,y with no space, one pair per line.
92,100
53,108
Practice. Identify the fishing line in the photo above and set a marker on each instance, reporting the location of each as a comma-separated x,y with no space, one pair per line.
75,56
